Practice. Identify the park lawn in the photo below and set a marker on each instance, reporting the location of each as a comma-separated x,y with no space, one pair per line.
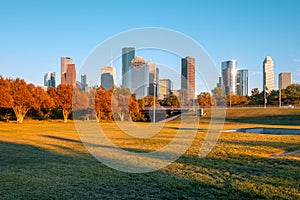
46,160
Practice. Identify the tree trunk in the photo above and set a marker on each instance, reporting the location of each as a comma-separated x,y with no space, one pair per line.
98,116
66,115
122,116
20,113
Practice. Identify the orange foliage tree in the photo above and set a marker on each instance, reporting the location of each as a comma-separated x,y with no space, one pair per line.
64,100
23,98
6,100
103,104
204,99
43,100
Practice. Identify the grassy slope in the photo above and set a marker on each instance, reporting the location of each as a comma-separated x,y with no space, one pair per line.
43,160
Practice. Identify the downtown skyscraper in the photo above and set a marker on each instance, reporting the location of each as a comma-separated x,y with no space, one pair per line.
68,71
268,74
284,80
108,77
165,87
188,76
242,82
128,54
139,77
49,79
84,83
153,79
229,72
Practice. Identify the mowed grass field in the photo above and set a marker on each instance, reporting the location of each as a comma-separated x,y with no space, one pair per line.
47,160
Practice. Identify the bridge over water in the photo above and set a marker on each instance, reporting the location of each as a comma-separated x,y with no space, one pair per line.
162,113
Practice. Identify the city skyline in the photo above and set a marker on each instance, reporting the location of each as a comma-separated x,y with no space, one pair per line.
44,37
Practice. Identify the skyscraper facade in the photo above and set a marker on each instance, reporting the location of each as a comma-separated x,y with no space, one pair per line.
268,74
165,87
110,70
284,80
49,79
128,54
229,72
84,82
64,61
242,82
188,76
139,82
108,77
69,77
153,79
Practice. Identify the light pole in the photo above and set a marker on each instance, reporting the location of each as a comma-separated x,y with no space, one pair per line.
230,99
279,98
154,87
154,94
265,96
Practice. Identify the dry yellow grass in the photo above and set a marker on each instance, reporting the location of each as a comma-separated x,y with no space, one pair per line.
48,160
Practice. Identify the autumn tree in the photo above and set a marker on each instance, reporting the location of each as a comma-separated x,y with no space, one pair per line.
103,104
232,100
219,96
243,100
204,99
6,100
141,103
134,109
64,100
23,98
43,101
149,101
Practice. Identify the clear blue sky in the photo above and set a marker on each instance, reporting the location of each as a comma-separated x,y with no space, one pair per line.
35,34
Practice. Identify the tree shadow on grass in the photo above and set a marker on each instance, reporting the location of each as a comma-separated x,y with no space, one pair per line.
29,172
248,177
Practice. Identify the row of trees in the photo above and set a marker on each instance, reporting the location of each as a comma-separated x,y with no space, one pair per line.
18,99
289,96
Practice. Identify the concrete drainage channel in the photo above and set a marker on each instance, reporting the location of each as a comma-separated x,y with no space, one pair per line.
275,131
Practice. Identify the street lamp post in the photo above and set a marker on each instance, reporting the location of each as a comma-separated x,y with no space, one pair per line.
265,96
279,98
154,94
154,87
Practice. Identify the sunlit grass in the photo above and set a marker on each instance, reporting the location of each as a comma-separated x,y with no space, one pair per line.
46,160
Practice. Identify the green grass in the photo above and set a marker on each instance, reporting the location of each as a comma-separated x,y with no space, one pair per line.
46,160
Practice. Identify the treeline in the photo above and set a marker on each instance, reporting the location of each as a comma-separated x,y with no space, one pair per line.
19,99
289,96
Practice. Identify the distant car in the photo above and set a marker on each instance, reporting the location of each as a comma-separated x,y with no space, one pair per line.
291,106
